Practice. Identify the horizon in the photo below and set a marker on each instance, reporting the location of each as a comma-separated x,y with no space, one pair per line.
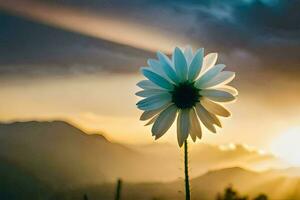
225,147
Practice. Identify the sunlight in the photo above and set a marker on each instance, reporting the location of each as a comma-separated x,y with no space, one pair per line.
286,145
95,25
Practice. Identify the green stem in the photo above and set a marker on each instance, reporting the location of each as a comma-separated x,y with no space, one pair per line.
186,172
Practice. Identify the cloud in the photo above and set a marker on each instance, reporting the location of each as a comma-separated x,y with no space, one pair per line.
264,34
93,24
31,48
267,30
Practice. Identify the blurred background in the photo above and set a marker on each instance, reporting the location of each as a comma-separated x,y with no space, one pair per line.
68,70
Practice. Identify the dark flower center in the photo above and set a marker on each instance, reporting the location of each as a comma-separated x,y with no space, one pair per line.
185,95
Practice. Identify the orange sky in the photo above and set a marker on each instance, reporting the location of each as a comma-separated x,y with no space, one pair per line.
106,102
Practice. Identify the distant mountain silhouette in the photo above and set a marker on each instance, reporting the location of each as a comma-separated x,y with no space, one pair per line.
57,161
17,183
58,153
205,187
206,156
246,182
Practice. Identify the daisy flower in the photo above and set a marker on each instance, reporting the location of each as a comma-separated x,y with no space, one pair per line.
189,87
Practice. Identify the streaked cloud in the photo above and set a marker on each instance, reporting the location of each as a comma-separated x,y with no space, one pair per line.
267,31
91,24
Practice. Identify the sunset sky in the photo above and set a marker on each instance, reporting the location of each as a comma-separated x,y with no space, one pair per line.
79,61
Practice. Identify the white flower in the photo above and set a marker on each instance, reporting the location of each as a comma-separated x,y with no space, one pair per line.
190,86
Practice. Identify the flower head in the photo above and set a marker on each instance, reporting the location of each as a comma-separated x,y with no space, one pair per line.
189,87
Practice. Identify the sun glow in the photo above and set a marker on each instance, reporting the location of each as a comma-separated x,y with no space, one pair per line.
287,146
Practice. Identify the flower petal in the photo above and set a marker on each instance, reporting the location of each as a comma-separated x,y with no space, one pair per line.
212,117
195,126
167,67
146,84
151,121
205,117
150,92
188,54
221,79
196,65
209,61
217,95
151,113
164,121
214,108
154,102
180,64
155,66
209,75
229,89
183,126
216,120
157,79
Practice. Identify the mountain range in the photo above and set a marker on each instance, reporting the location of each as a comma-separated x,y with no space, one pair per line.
205,187
55,157
57,151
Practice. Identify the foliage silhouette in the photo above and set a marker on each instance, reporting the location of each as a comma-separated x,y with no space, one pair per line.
231,194
118,190
85,197
261,197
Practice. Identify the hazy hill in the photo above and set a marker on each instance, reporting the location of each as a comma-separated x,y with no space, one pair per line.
246,182
205,187
57,152
59,161
16,183
204,157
